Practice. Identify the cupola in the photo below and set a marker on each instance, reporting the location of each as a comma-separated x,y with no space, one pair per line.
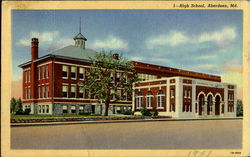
79,38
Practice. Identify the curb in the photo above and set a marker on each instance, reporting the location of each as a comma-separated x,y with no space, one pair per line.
114,121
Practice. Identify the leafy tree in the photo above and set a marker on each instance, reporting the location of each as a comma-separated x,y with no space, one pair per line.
18,107
239,108
12,105
101,82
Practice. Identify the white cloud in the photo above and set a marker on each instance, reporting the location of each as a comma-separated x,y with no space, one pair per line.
111,42
60,44
173,38
42,36
226,34
222,38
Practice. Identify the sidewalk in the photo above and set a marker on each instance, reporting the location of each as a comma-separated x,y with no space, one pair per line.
119,121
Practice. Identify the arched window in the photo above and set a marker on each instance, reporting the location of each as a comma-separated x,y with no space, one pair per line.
149,99
160,99
139,97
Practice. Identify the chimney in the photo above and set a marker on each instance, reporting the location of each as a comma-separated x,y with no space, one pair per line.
116,56
34,49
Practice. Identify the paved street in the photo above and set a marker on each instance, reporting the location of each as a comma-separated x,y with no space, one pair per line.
202,134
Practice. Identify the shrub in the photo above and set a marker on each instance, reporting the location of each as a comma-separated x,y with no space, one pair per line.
239,108
145,112
26,111
19,112
85,113
155,112
128,112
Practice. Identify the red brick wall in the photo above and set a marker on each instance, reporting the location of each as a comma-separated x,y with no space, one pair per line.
154,91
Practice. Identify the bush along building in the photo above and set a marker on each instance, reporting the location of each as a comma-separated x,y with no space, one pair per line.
50,86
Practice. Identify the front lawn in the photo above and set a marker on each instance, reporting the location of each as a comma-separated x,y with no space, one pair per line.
62,116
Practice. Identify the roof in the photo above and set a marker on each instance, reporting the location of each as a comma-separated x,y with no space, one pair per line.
75,52
80,36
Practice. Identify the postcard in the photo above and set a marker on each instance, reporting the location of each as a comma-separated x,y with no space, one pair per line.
125,78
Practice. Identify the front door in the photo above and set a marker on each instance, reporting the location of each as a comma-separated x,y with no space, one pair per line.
217,105
93,109
201,104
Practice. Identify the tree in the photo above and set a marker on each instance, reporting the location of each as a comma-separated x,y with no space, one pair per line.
239,108
12,105
102,81
18,107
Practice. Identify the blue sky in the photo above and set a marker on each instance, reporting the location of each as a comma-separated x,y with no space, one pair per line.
208,41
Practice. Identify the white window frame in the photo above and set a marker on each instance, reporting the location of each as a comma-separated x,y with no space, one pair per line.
67,70
43,88
71,68
26,76
39,92
67,90
39,73
47,71
149,100
172,108
83,72
71,87
160,96
139,99
42,72
172,93
81,90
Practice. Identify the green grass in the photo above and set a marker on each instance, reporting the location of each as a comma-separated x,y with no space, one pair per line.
59,116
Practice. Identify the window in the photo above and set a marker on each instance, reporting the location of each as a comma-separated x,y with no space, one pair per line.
28,72
65,91
139,100
44,91
39,73
185,93
73,72
42,72
73,91
81,109
160,99
210,103
172,93
26,93
65,71
81,92
39,109
73,109
124,95
43,108
189,93
47,71
172,108
47,108
65,109
149,99
47,91
26,76
39,92
81,73
29,92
